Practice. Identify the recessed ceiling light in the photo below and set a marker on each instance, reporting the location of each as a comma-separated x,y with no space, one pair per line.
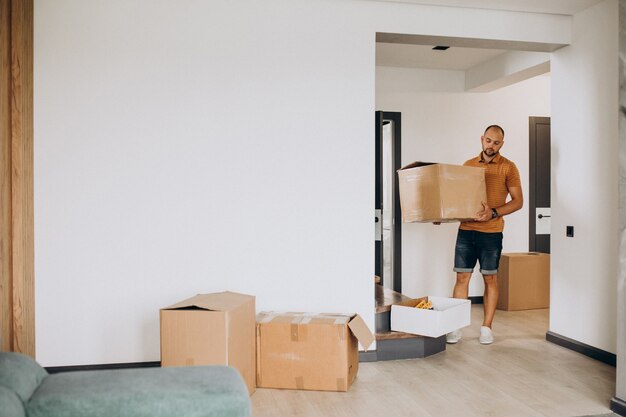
440,48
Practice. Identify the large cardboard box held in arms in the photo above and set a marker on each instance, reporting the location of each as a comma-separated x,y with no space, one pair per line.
211,329
432,192
524,281
309,351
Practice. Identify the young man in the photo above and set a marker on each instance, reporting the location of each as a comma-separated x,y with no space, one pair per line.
481,240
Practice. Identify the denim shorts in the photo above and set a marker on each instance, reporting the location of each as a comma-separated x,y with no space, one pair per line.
472,246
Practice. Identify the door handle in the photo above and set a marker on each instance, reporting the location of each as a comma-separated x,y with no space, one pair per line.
541,216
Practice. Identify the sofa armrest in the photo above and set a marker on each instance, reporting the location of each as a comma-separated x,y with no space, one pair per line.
11,404
21,374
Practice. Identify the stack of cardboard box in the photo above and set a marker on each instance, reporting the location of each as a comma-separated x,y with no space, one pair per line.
281,350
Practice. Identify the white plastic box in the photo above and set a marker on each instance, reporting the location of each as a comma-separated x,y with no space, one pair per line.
448,314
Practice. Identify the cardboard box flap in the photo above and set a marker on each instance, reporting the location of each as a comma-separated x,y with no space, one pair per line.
361,332
302,318
525,254
417,164
223,301
355,323
461,172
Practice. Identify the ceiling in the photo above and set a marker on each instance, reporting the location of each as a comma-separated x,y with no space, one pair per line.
422,56
567,7
461,58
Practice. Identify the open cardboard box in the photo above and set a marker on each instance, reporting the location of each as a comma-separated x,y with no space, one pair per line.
211,329
448,314
309,351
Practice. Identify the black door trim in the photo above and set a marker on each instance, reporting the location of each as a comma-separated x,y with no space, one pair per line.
395,117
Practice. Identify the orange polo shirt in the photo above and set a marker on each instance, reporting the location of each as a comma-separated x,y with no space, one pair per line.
500,175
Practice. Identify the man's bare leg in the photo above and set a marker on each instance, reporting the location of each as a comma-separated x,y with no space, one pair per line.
461,288
490,298
460,291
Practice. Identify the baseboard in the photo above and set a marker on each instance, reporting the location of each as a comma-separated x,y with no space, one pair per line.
618,406
369,356
592,352
130,365
478,299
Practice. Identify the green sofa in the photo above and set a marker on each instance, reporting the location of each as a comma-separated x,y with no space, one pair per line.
27,390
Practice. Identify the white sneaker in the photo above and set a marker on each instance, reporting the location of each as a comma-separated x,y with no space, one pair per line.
453,337
486,335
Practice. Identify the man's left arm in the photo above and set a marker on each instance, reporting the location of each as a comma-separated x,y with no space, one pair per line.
514,187
515,203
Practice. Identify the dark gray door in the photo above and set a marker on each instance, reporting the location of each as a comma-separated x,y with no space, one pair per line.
539,182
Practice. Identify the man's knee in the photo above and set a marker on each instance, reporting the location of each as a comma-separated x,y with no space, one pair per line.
463,278
491,280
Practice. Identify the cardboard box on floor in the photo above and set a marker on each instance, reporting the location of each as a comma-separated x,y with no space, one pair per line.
309,351
432,192
448,314
211,329
524,281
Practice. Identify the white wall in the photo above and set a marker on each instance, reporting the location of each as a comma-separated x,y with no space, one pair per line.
194,146
181,150
585,180
442,123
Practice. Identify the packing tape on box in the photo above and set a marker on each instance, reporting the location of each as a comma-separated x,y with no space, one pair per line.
298,333
294,333
301,318
341,332
267,317
281,317
299,382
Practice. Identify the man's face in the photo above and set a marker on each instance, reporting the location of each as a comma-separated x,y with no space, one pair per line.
492,141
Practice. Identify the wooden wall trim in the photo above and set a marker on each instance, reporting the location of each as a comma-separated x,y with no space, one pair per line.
6,291
18,259
22,176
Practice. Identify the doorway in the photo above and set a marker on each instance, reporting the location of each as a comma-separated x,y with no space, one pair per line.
539,185
388,235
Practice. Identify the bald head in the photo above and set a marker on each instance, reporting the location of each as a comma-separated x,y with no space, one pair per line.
495,128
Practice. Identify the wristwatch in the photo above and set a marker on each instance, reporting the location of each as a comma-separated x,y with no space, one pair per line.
494,213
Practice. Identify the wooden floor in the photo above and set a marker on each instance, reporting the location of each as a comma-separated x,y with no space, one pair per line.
519,375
